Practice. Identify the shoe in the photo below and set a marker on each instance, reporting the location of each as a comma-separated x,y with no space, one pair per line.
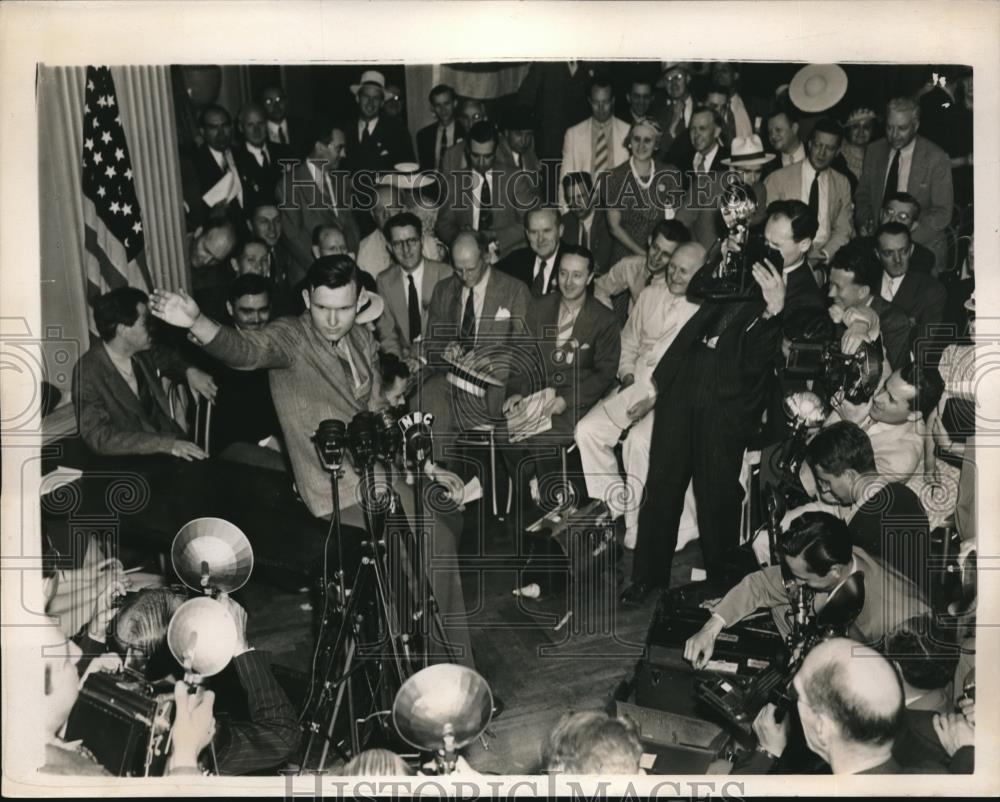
635,595
498,707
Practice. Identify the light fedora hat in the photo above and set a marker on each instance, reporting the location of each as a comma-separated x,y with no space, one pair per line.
747,151
369,77
370,307
818,87
406,175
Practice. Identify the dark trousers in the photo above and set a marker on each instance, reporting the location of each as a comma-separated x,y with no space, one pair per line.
689,441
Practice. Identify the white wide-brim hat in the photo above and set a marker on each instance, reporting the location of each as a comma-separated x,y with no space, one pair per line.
406,175
818,87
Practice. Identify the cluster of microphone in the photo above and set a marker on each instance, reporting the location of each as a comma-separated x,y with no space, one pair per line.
372,437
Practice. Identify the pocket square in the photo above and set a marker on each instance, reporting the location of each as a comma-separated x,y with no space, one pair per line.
585,345
503,313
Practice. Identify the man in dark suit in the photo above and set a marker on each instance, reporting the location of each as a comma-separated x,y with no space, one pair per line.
283,128
313,194
584,224
210,177
265,225
700,151
920,296
557,92
122,408
906,162
374,141
473,320
576,348
673,112
712,384
902,207
538,264
257,160
433,140
486,199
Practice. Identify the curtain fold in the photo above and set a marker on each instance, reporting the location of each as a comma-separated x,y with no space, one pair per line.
146,102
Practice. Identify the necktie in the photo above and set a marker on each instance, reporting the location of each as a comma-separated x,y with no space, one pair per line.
601,151
413,304
366,134
584,239
729,124
468,332
146,398
699,161
566,324
443,147
485,201
343,351
649,278
538,284
265,162
814,196
892,179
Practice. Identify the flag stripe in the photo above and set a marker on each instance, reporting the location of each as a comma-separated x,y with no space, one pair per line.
100,269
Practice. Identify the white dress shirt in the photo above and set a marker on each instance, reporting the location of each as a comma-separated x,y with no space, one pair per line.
547,266
890,285
322,179
418,281
708,158
258,153
797,155
478,299
477,193
808,171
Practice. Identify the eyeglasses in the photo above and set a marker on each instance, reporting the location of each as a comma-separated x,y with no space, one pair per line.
412,242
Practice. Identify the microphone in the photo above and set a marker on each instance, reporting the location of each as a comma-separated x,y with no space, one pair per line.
330,438
418,439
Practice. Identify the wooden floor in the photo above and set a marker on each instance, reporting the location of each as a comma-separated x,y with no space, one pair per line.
539,671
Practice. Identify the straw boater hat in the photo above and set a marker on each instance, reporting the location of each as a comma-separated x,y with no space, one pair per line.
369,77
747,152
406,175
817,87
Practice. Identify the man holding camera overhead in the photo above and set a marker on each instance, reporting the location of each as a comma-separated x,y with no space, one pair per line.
712,384
323,366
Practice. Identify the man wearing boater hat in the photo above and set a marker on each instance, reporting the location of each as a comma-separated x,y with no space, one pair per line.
747,161
375,141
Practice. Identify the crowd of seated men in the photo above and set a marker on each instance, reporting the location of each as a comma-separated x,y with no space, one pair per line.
502,309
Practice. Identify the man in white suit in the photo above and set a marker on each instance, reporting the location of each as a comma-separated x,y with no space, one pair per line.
406,287
824,190
597,145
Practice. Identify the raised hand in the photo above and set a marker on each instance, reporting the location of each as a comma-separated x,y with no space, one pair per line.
772,285
176,308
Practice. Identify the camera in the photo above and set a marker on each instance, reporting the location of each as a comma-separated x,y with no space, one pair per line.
856,375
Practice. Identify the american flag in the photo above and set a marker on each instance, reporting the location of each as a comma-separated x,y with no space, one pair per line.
114,242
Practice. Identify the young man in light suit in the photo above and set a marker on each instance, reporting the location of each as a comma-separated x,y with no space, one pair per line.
597,144
823,189
406,288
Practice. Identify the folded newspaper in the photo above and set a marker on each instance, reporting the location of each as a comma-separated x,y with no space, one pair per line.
531,417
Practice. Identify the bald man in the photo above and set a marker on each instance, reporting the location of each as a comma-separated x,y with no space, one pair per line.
472,322
661,310
850,702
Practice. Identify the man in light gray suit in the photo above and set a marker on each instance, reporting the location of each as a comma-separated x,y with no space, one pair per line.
473,323
905,162
406,288
824,190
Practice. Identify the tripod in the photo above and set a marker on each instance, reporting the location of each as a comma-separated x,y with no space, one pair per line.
370,605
